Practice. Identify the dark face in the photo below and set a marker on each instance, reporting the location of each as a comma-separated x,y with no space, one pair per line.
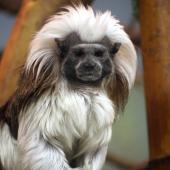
86,63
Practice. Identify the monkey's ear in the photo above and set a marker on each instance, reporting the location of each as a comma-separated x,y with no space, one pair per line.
60,43
62,46
69,41
115,48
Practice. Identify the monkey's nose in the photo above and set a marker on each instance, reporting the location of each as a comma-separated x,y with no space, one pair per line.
89,66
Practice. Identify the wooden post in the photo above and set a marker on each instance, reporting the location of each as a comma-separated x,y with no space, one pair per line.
155,35
31,17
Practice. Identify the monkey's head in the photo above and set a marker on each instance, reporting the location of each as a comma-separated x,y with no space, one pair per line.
86,62
83,48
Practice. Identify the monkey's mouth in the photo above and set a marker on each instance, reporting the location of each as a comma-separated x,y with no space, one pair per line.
89,76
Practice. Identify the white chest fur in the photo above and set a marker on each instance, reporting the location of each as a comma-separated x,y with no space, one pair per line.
65,116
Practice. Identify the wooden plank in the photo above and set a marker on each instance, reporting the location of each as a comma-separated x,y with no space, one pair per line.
12,6
161,164
155,26
31,17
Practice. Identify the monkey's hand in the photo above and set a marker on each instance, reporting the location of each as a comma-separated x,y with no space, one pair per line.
37,154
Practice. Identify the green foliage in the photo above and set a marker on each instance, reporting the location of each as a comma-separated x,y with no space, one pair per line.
135,4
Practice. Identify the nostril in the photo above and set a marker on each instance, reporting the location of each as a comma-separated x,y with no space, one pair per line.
89,66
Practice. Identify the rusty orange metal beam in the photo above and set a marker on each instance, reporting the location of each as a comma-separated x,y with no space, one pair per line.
155,26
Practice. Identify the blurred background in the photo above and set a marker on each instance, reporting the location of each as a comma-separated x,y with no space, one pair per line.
129,146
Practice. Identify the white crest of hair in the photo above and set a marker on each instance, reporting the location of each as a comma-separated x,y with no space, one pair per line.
90,26
63,117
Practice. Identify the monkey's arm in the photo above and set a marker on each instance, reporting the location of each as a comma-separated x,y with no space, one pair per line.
95,160
37,154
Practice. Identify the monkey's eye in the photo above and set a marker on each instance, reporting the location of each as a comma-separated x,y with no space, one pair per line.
99,53
79,52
